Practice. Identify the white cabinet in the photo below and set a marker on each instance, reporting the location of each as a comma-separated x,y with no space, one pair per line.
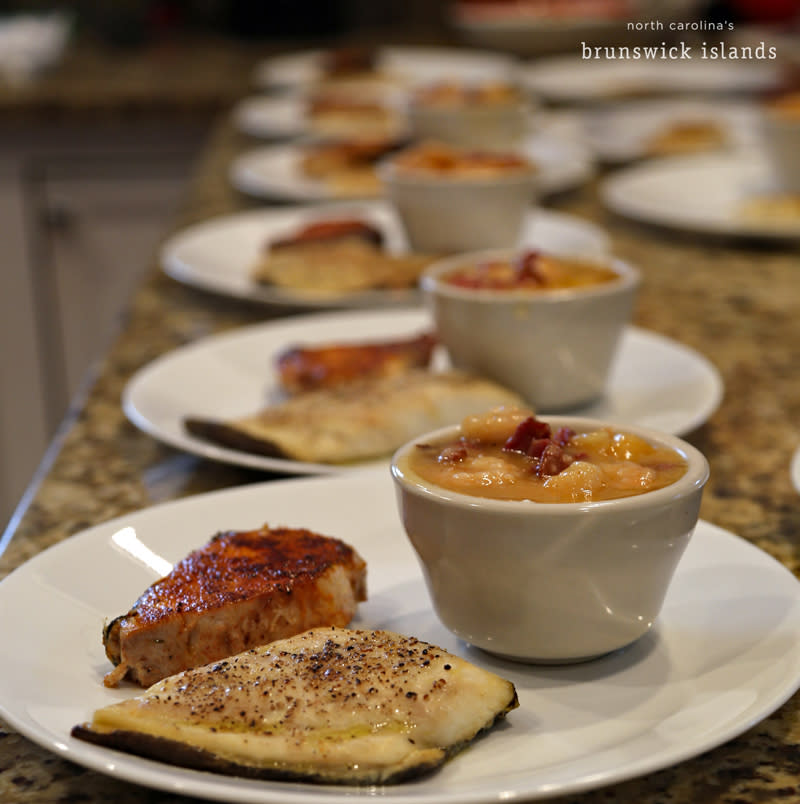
97,237
81,215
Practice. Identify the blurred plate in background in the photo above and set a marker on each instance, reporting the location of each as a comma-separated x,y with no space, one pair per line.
403,66
547,27
572,79
705,193
275,171
219,254
622,132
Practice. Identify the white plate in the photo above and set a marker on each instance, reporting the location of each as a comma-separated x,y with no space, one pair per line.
795,470
621,132
284,116
273,171
699,193
530,36
723,654
410,65
655,382
538,29
271,116
572,79
218,254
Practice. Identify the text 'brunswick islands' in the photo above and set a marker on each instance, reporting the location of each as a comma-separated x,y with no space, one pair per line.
665,52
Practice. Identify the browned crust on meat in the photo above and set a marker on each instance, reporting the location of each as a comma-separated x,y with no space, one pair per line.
252,586
329,231
236,565
306,368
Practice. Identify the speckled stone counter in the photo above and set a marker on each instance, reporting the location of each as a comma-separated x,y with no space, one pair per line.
171,78
737,303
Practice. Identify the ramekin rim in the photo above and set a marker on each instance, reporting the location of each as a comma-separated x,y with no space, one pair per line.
629,276
388,173
695,477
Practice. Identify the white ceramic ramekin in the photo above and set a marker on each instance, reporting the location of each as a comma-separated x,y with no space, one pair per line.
550,582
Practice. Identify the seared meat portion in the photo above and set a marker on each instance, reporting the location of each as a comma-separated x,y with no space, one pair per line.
348,60
306,368
330,705
328,231
244,588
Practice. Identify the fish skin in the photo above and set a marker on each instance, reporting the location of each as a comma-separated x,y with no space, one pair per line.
330,705
365,419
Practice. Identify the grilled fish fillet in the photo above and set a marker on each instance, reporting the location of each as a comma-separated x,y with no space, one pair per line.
336,256
367,418
346,265
330,705
244,588
347,168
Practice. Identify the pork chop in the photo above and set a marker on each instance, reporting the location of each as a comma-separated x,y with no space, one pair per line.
242,589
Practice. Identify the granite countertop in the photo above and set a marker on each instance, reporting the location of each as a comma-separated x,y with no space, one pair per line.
169,78
737,303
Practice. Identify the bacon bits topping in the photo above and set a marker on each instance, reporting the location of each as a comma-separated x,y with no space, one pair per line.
453,454
534,439
349,60
528,268
509,454
531,270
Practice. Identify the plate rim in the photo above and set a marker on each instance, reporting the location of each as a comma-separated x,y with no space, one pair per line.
210,786
794,469
263,71
254,116
240,116
531,71
615,194
669,106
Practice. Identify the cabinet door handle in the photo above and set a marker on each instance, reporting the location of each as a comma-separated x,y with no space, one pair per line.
58,217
